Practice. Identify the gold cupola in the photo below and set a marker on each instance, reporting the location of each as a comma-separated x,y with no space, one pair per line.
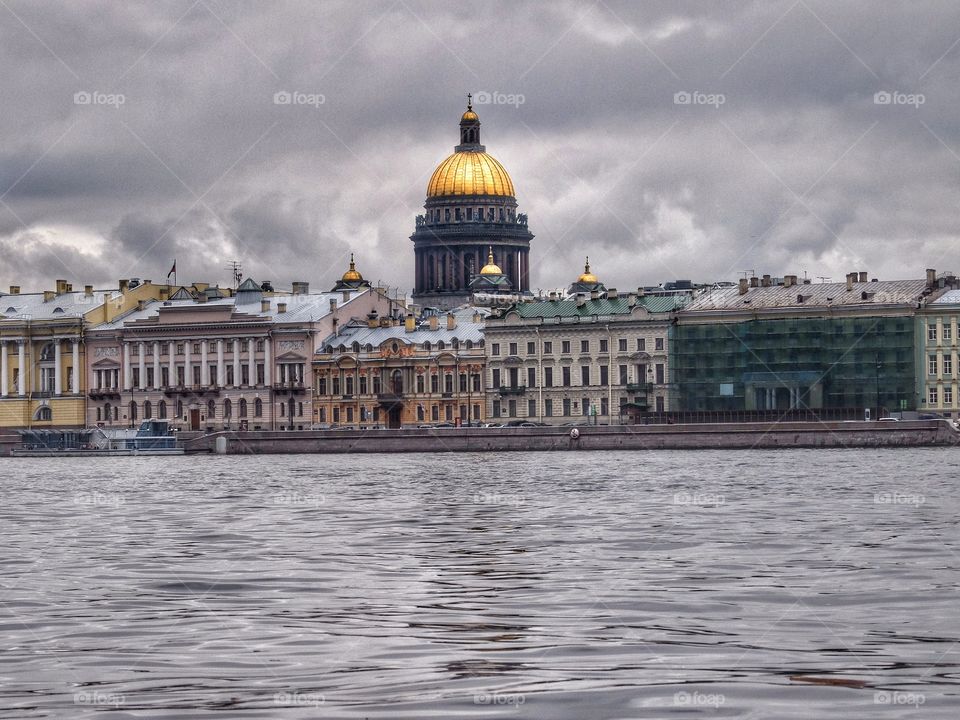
470,170
491,268
586,276
352,275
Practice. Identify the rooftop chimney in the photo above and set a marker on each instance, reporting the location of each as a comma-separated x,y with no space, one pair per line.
789,280
581,301
61,287
14,289
743,285
451,321
124,285
372,319
754,281
282,308
477,317
300,288
931,277
48,295
434,322
409,323
333,304
594,294
863,276
141,304
612,294
202,297
766,281
850,278
88,290
264,305
346,296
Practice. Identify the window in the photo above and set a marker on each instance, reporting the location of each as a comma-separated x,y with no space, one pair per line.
531,377
495,349
463,382
585,405
604,376
565,347
658,343
584,346
531,348
211,410
435,413
259,345
604,405
476,382
434,384
948,395
947,331
548,408
622,345
932,365
585,375
496,377
349,414
43,413
448,413
162,410
932,396
420,384
623,375
420,415
947,365
659,373
641,344
604,345
448,383
147,410
133,412
565,376
496,408
179,348
512,408
548,377
322,386
531,408
227,409
547,347
566,407
513,348
196,348
363,384
179,408
135,349
243,408
932,331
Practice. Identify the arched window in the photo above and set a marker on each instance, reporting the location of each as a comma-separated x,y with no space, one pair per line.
147,410
133,410
243,408
43,413
440,345
355,346
107,414
227,409
46,353
162,410
368,347
468,344
179,408
258,408
427,346
454,343
211,410
98,414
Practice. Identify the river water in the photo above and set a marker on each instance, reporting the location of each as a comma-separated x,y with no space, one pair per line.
761,584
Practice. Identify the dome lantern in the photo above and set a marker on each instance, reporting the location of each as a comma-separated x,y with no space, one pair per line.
491,268
587,276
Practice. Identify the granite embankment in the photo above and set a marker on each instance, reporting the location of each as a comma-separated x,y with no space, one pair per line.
619,437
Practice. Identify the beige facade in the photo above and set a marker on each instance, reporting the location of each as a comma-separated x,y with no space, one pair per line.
937,326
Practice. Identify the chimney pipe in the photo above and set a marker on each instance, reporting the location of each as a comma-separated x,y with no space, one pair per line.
333,304
48,295
612,294
346,296
863,276
88,290
766,281
281,308
451,321
850,277
931,277
409,323
264,305
754,281
14,289
434,322
743,285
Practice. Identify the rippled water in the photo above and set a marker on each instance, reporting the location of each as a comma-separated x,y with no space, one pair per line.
539,585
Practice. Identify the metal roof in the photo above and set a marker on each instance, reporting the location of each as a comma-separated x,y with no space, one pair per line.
465,330
950,297
887,292
602,306
31,306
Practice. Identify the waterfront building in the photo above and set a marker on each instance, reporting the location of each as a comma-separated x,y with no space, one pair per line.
470,212
763,346
212,359
43,349
602,358
936,331
385,373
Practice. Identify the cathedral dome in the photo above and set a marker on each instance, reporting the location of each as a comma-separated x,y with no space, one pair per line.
491,268
469,172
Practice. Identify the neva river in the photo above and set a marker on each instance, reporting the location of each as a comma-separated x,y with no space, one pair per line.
523,585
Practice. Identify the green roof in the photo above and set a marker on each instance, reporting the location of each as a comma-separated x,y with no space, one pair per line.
617,306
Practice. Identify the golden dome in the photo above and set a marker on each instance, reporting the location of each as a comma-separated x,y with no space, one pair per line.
587,276
469,115
491,268
352,275
469,172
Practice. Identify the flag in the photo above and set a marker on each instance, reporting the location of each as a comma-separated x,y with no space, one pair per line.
172,270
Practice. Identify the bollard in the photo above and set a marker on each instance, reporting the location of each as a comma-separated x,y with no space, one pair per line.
220,445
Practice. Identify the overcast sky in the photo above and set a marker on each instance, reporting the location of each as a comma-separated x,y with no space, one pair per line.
783,161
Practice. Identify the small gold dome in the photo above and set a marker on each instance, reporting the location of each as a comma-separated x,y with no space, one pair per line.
470,173
587,276
352,275
491,268
469,115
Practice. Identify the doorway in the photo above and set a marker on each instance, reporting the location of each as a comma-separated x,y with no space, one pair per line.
195,419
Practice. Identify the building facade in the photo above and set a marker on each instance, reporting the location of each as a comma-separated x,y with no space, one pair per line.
759,346
384,373
470,211
936,332
207,362
563,360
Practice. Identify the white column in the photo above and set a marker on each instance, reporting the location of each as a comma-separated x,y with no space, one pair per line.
75,370
252,360
4,368
187,370
205,365
156,365
57,369
22,364
127,370
142,385
266,361
172,364
236,362
221,367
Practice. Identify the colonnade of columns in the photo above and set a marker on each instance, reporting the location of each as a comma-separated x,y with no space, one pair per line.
217,347
450,269
58,384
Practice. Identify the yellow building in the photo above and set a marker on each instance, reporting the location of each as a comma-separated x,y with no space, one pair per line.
42,354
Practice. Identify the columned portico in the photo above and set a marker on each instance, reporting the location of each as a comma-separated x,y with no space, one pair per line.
21,368
75,369
57,368
4,368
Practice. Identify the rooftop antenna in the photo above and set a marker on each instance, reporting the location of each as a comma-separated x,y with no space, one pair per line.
235,268
822,278
746,273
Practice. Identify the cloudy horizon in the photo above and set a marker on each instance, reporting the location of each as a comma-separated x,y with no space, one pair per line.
664,140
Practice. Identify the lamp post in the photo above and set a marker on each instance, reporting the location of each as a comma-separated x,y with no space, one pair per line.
877,374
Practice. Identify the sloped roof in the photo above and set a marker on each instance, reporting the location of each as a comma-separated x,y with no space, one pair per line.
887,292
32,306
603,306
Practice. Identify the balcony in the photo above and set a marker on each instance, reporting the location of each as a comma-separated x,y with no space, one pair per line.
104,393
293,387
390,399
639,387
512,389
